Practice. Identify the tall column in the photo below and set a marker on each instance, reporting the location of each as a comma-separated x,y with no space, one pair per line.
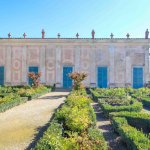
58,67
92,68
8,66
111,75
42,64
24,65
147,77
77,59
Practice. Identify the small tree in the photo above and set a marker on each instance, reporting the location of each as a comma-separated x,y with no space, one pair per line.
35,78
78,77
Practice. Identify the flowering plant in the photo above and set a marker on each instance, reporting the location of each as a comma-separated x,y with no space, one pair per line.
78,77
35,78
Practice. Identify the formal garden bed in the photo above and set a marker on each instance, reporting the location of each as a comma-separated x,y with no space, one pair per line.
123,106
73,126
11,96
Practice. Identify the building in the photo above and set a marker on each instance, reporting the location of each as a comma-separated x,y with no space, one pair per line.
109,62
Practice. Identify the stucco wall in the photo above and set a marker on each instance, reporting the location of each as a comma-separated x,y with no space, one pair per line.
50,55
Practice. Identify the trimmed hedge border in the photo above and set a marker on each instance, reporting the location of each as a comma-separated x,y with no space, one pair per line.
138,120
19,100
146,101
134,138
7,105
136,107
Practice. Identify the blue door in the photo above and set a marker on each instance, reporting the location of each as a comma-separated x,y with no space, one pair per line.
67,81
32,69
1,75
102,77
137,77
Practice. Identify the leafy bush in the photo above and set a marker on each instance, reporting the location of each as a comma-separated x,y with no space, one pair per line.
73,127
146,101
138,120
78,77
135,139
32,92
136,106
77,113
10,101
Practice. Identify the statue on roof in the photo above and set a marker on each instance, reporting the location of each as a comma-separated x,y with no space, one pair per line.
77,35
43,34
9,35
93,34
128,35
111,35
58,35
24,35
146,34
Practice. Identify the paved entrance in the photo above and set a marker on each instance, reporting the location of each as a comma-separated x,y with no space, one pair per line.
21,124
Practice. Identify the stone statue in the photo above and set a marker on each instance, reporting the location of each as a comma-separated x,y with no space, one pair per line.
58,35
93,34
128,35
9,35
111,35
146,34
24,35
43,34
77,35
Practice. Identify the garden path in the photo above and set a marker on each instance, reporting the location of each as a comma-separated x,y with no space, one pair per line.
21,126
114,141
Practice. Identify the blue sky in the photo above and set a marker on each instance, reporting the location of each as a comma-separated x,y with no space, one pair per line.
71,16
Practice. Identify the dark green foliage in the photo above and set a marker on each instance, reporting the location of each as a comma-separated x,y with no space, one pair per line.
136,106
10,101
139,120
146,101
135,139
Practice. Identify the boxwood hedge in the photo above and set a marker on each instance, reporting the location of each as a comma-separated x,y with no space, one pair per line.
135,139
136,107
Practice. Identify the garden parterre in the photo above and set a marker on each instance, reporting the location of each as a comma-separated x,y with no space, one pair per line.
73,127
125,114
11,96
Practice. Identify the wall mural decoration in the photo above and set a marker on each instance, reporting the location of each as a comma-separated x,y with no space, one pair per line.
50,65
16,64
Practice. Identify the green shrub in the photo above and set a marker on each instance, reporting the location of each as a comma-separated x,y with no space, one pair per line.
53,139
135,139
146,101
97,137
73,126
79,101
136,106
138,120
10,101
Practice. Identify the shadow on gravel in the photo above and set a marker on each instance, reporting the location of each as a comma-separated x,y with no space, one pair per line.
147,108
52,97
40,131
114,140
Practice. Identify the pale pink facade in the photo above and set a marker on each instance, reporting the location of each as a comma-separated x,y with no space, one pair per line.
50,55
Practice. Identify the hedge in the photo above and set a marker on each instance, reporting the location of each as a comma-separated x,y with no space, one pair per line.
13,100
136,107
73,127
134,139
146,101
138,120
9,100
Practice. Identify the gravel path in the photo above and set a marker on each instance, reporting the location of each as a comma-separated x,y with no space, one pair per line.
20,125
114,141
146,110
